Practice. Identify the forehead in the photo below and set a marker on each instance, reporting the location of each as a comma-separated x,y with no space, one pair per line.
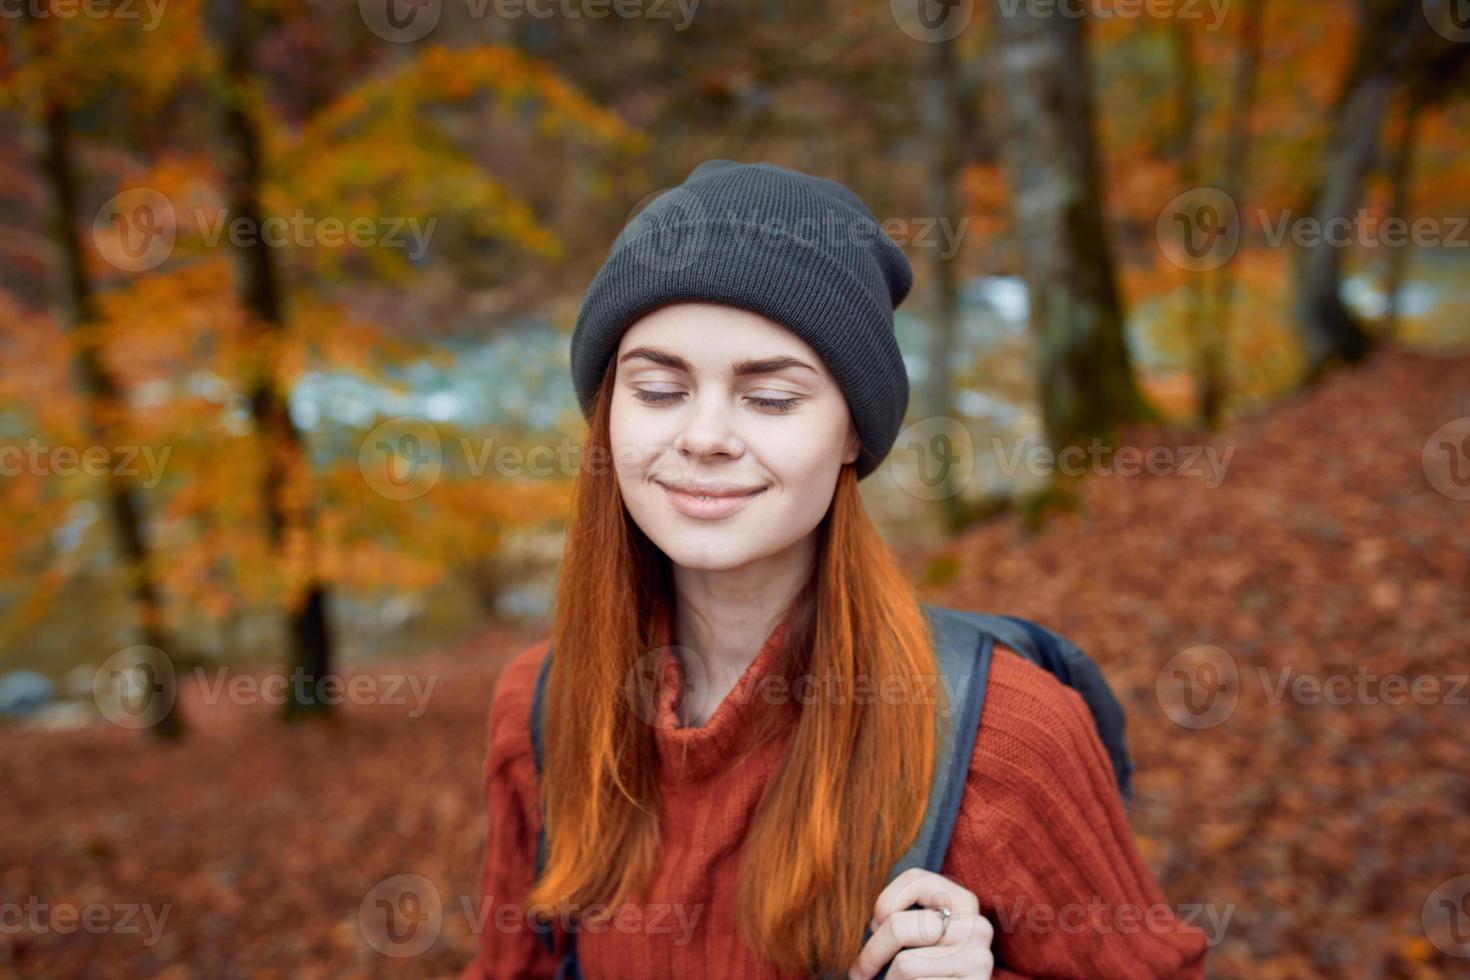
712,336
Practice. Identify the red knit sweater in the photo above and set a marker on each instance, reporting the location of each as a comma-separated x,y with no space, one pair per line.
1041,839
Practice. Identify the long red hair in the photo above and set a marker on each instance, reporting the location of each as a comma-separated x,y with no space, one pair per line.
846,801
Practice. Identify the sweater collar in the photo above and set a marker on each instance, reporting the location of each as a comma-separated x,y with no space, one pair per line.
687,753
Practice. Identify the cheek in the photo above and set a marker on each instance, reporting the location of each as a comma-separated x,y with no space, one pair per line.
807,479
812,451
635,439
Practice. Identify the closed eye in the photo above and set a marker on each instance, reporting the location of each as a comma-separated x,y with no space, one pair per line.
656,397
665,397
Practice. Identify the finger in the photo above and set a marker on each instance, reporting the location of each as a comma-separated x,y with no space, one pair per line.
898,884
917,886
936,962
918,928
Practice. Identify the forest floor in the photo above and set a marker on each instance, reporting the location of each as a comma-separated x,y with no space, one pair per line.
1312,799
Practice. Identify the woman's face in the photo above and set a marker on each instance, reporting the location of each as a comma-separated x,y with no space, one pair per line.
722,400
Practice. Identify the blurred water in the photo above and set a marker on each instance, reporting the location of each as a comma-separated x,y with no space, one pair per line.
1365,296
515,376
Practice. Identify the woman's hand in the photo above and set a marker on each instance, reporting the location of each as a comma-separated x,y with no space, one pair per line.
960,948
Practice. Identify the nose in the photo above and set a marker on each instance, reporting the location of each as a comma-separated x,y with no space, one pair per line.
709,429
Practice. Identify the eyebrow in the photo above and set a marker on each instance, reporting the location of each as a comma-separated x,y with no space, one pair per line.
741,368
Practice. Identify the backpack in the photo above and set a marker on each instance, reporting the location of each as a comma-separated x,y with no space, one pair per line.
964,643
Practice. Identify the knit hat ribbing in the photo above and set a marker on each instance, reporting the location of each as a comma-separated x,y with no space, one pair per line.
803,251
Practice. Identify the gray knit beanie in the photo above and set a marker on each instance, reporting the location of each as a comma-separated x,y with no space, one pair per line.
803,251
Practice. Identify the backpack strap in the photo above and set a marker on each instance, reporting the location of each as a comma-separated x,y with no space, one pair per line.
538,745
1074,668
1079,672
567,968
964,653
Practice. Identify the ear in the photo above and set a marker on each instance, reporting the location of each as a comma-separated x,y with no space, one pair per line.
853,445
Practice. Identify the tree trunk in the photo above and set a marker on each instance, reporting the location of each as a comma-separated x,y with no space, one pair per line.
1235,182
939,113
1085,377
309,637
102,405
1400,174
1197,326
1329,329
1388,35
1441,70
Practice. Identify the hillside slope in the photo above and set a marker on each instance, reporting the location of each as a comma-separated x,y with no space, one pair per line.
1320,829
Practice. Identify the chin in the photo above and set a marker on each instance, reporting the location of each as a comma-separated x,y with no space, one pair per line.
707,556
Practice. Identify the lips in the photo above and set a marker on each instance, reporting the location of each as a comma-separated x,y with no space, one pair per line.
709,501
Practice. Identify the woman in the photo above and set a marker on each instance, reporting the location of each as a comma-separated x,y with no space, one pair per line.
707,813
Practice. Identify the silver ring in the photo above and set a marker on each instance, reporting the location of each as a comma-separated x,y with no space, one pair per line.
945,913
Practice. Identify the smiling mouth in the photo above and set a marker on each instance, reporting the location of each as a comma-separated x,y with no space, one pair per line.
711,496
708,507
